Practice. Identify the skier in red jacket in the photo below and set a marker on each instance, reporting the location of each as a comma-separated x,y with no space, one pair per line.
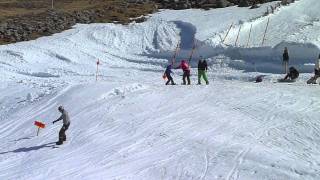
186,71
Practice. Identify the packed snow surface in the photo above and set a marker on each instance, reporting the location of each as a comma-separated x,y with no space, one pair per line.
129,125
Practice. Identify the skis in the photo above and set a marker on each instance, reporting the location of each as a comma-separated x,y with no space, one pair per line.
286,80
312,80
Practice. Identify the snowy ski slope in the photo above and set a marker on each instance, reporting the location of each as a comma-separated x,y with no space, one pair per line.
128,125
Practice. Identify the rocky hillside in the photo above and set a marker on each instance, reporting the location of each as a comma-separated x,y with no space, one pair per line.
22,20
207,4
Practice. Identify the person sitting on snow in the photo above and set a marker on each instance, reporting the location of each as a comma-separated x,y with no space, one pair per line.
293,74
186,71
202,70
168,73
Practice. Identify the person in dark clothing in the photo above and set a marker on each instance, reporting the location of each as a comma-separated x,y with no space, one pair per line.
202,70
293,74
66,123
285,60
186,72
313,80
168,73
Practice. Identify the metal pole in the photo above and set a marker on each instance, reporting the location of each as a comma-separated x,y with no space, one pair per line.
235,44
52,4
38,131
249,36
192,51
224,39
265,32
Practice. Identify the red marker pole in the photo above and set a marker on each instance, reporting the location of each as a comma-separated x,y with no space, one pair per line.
38,131
98,63
39,125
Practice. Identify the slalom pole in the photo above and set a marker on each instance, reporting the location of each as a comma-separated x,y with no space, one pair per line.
265,32
249,37
38,131
97,72
225,37
235,44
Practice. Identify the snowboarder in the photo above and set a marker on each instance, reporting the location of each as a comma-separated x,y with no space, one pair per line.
66,123
293,74
186,71
202,70
285,60
168,73
313,80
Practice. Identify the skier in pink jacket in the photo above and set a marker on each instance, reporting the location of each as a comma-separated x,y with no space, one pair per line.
186,71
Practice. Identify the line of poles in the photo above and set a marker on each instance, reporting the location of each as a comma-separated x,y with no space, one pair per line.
250,34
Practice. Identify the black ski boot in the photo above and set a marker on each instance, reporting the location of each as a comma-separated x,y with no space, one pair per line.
59,143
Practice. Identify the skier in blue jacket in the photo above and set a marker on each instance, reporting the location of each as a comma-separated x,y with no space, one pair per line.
168,73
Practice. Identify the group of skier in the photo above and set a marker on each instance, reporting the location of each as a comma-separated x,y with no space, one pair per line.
202,72
293,73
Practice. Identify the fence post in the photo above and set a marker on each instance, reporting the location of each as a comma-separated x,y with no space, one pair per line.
224,39
265,32
249,36
235,44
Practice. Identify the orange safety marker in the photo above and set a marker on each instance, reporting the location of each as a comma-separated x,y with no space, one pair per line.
164,76
39,125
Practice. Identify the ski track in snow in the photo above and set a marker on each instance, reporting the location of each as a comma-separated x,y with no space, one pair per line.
128,125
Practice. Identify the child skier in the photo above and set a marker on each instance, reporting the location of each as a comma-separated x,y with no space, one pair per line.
168,73
66,123
186,71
